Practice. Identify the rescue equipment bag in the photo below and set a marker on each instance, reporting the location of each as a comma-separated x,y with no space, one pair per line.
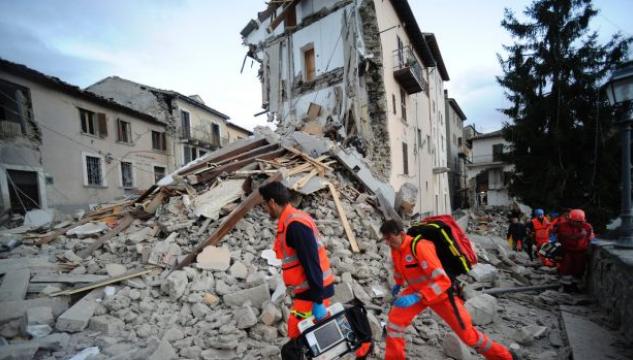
453,247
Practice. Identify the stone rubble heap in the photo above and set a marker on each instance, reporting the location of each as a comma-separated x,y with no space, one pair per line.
231,302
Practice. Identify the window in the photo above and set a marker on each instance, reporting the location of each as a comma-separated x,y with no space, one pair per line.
15,109
215,134
497,152
419,138
190,153
291,16
403,104
459,141
400,51
185,124
93,166
393,99
201,152
127,175
309,64
159,141
93,123
428,143
159,173
405,158
124,131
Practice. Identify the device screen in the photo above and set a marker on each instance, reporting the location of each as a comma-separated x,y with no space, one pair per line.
328,335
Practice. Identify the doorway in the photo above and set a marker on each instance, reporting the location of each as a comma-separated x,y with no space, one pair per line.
23,190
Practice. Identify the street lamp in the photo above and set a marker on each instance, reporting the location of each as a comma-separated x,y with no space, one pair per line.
620,92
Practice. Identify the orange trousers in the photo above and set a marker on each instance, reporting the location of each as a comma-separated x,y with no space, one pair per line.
400,318
299,310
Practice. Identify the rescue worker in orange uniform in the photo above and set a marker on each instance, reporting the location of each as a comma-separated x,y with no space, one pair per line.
428,286
539,228
574,235
305,265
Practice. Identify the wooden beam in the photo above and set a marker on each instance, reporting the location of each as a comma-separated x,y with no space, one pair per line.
343,217
155,203
98,284
147,193
53,235
304,180
228,154
213,173
257,151
123,224
307,158
228,223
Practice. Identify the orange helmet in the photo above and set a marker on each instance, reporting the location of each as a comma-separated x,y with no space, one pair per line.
577,215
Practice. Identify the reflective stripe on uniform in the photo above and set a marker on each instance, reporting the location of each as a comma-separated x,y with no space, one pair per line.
483,343
305,285
437,273
436,288
289,259
303,315
396,327
417,280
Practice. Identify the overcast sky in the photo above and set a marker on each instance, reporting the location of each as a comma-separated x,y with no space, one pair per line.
194,46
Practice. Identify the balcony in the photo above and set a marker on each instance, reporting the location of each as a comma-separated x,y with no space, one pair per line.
408,72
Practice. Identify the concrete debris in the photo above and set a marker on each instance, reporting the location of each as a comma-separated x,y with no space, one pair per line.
406,199
14,285
211,202
483,272
106,325
482,309
270,314
257,296
455,348
115,269
165,252
86,353
245,317
88,229
39,218
175,284
238,270
78,316
527,334
271,257
214,258
38,321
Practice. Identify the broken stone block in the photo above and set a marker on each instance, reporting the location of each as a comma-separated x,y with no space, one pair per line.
38,321
54,342
140,235
173,333
214,258
257,296
200,310
406,198
23,350
38,218
106,324
455,348
270,314
164,351
245,317
72,257
203,283
527,334
77,317
483,272
115,269
166,252
482,309
238,270
14,285
264,332
343,293
175,284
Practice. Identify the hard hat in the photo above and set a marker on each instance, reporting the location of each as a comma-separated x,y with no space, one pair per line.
577,215
539,212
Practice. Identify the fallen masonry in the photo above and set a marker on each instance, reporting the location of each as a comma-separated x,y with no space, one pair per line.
180,274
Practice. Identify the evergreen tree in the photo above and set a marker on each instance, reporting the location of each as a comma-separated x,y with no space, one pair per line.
565,147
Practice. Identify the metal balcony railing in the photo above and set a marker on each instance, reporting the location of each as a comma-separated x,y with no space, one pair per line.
408,71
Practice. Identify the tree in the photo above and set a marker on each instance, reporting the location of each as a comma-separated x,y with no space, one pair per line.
565,149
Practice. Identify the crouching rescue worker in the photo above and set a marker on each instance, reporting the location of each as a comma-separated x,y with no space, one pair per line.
574,236
428,286
305,265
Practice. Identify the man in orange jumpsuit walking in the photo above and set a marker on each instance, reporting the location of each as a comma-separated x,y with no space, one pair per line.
428,286
574,235
539,228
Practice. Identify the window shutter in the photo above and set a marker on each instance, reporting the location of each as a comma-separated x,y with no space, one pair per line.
163,141
103,125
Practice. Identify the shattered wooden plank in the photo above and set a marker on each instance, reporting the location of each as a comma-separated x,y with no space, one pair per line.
343,216
228,223
308,158
154,203
124,223
53,235
242,149
209,175
257,151
147,193
304,180
108,281
281,16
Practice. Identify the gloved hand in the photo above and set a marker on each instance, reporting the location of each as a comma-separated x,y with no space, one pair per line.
395,290
405,301
319,311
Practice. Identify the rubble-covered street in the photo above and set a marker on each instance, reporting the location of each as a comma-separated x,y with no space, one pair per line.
118,284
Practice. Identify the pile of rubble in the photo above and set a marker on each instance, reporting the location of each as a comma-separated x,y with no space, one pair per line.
186,270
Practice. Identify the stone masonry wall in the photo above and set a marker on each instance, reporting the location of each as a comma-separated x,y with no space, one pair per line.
610,282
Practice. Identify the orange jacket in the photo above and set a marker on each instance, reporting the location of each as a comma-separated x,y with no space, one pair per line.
423,272
541,230
291,270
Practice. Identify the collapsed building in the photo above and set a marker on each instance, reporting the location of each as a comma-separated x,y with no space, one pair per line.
186,270
363,73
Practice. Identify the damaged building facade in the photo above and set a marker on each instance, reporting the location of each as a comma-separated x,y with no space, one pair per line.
488,175
365,75
194,127
456,152
63,147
